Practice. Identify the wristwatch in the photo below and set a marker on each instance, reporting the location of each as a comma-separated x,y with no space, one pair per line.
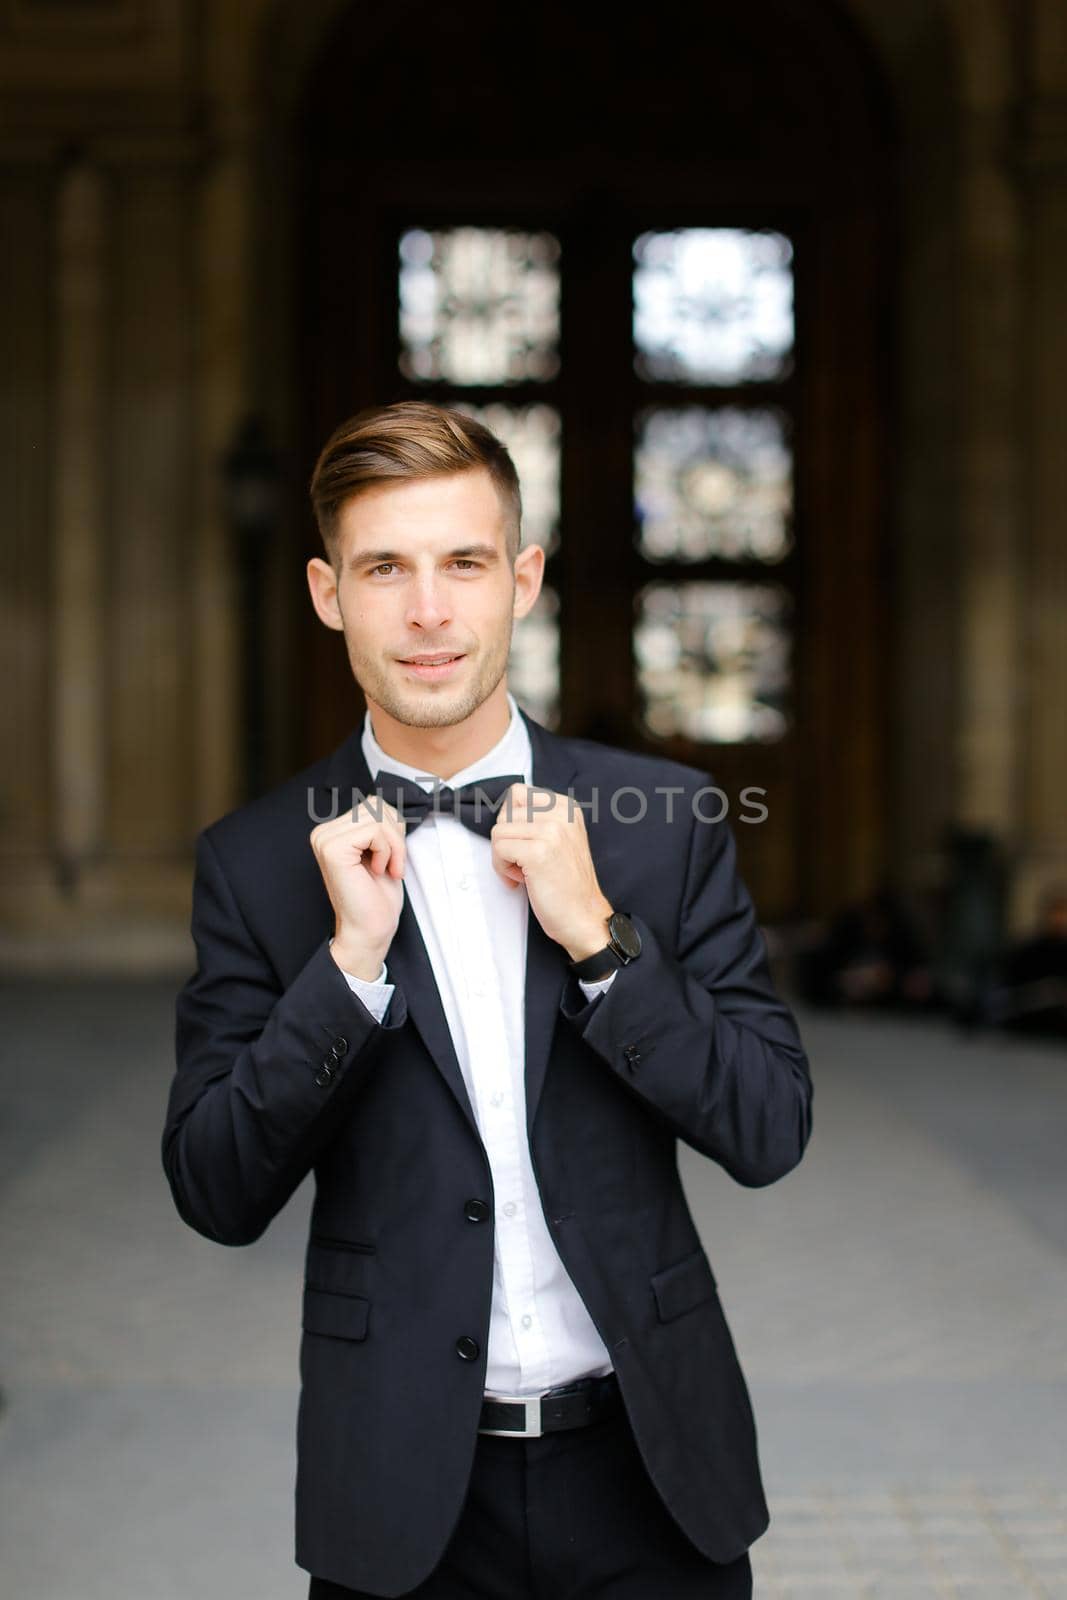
623,946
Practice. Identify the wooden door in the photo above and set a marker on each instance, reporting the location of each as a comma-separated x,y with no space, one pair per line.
709,396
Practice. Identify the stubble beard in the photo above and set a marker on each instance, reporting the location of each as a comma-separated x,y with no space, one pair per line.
416,705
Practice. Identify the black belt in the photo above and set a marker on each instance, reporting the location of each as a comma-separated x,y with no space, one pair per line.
572,1405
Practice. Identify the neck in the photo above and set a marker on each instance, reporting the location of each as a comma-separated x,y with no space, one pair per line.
444,751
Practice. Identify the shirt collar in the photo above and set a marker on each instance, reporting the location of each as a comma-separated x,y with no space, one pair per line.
511,753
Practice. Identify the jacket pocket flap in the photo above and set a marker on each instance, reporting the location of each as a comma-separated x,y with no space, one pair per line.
337,1269
686,1284
339,1316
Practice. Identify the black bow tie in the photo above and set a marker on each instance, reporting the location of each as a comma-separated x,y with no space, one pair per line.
475,804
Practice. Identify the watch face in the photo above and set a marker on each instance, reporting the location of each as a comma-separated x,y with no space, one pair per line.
625,935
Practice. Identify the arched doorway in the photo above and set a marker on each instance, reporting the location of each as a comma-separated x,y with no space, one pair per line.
718,561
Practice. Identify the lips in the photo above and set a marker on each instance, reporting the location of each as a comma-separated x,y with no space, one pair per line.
431,671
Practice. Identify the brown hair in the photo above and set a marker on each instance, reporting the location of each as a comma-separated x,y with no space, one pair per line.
411,439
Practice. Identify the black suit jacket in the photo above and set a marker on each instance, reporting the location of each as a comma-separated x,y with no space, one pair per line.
281,1069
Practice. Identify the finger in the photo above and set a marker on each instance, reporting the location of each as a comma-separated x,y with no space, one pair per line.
389,850
380,844
511,860
378,854
359,815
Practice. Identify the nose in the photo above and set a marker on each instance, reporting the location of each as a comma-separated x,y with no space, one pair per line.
428,608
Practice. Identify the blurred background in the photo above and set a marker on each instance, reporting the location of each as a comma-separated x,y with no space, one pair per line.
769,303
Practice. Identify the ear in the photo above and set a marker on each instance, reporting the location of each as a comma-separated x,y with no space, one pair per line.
322,581
529,572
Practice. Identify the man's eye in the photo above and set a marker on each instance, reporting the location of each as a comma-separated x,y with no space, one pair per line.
460,561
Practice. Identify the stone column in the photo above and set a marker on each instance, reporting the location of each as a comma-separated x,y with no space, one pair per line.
27,641
1043,724
991,485
77,473
989,745
221,266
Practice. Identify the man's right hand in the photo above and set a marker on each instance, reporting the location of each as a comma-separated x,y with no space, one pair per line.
361,856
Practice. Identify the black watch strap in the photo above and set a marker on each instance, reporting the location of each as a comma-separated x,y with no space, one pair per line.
623,946
595,967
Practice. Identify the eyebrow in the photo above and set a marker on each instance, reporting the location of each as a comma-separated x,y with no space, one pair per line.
371,558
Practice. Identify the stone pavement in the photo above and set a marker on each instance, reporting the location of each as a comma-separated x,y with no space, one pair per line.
899,1303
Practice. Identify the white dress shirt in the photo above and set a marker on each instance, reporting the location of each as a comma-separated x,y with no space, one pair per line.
474,927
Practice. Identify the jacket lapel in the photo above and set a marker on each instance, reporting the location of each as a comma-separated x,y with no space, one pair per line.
547,963
553,767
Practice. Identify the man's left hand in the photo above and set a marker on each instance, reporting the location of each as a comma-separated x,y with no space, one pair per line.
539,840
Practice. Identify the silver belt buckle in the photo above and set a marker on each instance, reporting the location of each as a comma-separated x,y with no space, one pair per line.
531,1405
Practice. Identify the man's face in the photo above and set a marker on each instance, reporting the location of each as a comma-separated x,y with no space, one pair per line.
423,572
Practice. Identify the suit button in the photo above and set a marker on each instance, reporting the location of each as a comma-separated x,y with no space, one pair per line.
324,1074
633,1056
476,1211
338,1048
467,1348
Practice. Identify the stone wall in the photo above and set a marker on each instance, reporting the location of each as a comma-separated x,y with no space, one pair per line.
146,198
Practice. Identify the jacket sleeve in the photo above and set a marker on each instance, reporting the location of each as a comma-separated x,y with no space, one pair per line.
264,1076
699,1033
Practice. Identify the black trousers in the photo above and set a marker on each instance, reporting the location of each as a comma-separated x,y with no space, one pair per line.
567,1516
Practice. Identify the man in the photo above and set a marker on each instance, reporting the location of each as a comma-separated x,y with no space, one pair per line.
457,971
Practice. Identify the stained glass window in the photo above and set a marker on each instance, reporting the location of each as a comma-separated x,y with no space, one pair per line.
713,660
479,308
479,305
713,483
531,434
533,666
713,305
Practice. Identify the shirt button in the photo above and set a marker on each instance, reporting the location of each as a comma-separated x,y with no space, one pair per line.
527,1320
476,1211
510,1209
467,1348
463,883
496,1099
